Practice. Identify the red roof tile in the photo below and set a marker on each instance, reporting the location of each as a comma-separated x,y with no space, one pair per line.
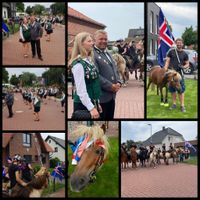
77,14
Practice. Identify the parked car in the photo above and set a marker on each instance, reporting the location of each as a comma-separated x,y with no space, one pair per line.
193,60
151,61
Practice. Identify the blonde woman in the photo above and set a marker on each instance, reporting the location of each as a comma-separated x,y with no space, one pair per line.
86,76
25,36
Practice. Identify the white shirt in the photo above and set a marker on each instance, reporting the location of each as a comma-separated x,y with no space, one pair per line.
79,79
21,30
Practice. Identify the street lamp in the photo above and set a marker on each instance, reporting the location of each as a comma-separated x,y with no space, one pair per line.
151,131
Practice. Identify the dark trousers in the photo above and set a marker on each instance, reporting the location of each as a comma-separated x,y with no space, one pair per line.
108,110
36,43
79,106
10,110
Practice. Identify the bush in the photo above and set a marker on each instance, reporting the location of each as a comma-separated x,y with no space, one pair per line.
36,168
54,162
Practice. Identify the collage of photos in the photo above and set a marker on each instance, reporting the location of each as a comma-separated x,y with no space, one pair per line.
99,100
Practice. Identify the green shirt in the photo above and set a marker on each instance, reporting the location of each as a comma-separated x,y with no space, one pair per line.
91,80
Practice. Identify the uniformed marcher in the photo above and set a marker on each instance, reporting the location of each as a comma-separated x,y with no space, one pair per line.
109,77
86,76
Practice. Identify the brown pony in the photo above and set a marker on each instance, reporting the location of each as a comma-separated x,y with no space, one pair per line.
35,187
121,67
92,158
133,157
124,159
162,79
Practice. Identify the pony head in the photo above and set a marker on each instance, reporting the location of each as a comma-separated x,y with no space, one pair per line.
173,78
92,157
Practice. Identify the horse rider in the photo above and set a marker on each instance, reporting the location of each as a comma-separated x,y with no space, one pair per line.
163,149
151,148
171,148
123,146
26,171
14,173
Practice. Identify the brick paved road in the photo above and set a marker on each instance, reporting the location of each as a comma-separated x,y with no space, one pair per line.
51,117
178,180
129,101
53,52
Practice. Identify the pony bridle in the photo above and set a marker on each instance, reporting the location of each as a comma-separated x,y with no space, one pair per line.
98,163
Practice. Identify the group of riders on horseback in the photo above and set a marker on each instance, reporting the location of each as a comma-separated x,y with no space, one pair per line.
133,53
152,155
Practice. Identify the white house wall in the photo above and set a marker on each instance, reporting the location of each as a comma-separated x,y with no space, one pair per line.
61,152
173,139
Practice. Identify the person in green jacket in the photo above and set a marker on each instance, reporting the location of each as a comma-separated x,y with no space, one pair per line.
86,76
36,105
25,36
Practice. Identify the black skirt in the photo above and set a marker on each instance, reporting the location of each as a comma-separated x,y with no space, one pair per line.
36,109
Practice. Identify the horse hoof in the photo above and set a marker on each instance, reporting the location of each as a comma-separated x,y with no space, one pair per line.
162,104
166,105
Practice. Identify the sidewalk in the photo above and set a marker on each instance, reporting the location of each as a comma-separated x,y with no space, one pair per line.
53,52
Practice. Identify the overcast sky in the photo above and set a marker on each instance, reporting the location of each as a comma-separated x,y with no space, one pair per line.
118,17
180,16
46,5
140,130
18,71
58,135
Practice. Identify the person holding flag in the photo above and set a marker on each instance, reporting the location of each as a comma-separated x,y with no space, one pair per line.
58,173
176,57
189,145
4,27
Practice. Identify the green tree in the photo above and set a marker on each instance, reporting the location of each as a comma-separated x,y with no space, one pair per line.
27,78
14,80
58,8
189,36
54,76
20,7
38,9
5,75
29,10
54,162
129,143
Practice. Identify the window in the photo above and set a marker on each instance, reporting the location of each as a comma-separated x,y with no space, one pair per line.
156,25
151,47
36,158
169,138
156,47
26,139
151,22
49,141
28,158
56,149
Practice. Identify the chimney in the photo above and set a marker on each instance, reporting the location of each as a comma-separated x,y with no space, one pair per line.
163,128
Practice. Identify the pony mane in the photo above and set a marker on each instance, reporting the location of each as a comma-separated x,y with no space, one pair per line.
173,72
94,133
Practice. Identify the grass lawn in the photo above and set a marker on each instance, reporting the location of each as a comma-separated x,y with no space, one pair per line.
155,110
107,178
192,160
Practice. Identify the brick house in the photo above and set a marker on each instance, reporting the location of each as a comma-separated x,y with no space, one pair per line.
78,22
31,146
